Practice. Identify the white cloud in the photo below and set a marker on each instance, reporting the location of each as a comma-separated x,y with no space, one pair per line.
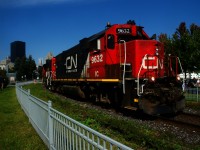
19,3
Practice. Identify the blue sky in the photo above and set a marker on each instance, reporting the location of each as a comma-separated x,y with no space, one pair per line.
56,25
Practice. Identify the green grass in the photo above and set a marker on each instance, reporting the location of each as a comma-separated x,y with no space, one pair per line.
128,132
192,101
192,97
193,105
16,133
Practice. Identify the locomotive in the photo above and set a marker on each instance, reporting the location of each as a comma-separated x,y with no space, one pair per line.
122,66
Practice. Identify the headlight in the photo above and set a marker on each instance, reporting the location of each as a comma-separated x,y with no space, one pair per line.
152,79
178,78
198,81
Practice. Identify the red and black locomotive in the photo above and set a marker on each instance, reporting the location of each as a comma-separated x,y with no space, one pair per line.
120,65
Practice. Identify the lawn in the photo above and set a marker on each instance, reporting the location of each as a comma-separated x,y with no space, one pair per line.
16,133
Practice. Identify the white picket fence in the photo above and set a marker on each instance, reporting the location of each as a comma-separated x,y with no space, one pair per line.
58,131
192,94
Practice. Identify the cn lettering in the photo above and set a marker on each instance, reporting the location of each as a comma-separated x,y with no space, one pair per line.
71,62
152,62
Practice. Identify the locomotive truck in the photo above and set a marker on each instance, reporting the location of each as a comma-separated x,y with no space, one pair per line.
122,66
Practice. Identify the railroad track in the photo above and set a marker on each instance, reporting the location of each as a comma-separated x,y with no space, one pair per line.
191,121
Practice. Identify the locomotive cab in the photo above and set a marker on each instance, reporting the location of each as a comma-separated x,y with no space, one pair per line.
138,62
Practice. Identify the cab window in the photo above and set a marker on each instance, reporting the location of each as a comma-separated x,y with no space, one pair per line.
110,41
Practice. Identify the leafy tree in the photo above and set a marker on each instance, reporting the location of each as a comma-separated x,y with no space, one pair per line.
180,42
40,72
18,69
31,67
5,78
167,41
185,43
24,68
194,44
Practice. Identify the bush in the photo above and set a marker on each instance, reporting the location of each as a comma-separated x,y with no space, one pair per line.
4,78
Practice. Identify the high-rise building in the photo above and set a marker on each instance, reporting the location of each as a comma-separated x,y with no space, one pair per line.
18,50
40,61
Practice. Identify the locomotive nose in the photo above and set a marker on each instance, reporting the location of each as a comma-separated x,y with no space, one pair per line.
163,97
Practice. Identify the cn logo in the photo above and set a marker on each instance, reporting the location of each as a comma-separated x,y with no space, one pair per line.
71,64
152,62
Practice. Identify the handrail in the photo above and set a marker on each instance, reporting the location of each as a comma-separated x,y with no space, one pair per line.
180,66
138,77
123,80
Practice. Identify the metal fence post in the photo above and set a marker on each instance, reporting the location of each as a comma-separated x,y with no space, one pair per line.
21,94
50,125
197,94
29,107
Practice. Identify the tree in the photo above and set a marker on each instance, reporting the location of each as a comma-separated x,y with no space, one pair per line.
180,42
31,67
20,68
185,43
24,68
167,43
40,71
194,44
5,78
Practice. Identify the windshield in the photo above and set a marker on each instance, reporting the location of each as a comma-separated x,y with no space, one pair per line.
126,37
129,37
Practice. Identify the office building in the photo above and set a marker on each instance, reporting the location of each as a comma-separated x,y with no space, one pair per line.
18,50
